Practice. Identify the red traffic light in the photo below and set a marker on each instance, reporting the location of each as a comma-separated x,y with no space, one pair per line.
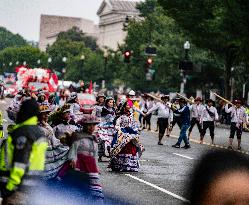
149,61
127,53
127,56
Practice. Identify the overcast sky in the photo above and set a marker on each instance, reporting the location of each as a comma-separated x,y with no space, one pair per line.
23,16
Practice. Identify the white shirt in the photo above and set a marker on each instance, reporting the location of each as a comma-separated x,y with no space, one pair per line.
205,115
238,114
163,111
196,111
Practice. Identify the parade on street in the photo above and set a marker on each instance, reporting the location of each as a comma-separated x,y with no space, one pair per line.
124,102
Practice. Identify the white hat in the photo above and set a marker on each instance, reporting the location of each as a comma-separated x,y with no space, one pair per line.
132,93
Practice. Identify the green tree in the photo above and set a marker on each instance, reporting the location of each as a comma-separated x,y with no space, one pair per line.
92,67
10,56
161,31
8,39
65,48
75,34
216,25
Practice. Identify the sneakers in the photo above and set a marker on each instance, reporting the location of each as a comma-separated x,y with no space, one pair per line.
186,146
159,143
230,147
176,145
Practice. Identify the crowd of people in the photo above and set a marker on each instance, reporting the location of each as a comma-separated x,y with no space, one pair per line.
72,140
57,139
187,113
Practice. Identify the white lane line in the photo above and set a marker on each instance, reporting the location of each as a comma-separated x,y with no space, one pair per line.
144,160
183,156
159,188
5,120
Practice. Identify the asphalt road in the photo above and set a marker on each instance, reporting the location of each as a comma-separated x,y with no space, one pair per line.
164,171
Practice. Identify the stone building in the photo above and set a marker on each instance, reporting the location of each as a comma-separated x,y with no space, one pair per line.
112,15
51,26
109,32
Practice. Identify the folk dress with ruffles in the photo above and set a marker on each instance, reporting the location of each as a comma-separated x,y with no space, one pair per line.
84,151
56,154
126,147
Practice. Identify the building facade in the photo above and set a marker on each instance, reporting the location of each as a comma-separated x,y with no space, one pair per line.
109,33
112,15
51,26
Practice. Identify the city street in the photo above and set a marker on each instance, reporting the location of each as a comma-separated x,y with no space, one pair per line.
164,171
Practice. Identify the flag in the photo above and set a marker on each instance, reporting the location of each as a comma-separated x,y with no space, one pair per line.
90,89
53,83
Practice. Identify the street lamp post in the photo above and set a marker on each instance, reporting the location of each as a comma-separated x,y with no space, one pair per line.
38,62
82,57
186,47
105,69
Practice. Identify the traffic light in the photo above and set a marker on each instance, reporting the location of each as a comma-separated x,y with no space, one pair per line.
127,56
149,61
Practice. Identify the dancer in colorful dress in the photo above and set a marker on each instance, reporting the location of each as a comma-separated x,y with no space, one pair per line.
82,155
63,128
99,105
56,154
126,148
106,129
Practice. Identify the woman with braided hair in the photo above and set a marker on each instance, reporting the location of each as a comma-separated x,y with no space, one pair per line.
106,129
126,147
56,154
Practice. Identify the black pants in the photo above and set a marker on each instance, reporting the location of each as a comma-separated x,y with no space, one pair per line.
206,125
192,124
163,124
147,119
178,121
234,129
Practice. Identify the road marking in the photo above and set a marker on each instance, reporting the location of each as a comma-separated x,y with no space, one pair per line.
159,188
206,143
4,120
2,101
144,160
183,156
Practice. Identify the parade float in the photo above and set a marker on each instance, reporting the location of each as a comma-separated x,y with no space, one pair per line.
36,79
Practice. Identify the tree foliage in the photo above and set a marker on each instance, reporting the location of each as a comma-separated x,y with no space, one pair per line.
65,48
220,26
75,34
10,56
160,31
8,39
